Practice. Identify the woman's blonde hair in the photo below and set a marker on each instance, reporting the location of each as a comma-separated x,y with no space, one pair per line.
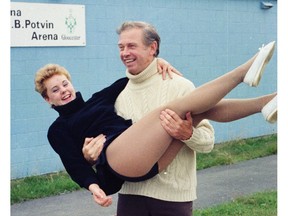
46,73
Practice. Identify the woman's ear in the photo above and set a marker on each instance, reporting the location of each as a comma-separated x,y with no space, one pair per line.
47,100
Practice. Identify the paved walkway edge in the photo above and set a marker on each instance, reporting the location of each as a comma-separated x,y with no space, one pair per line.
215,185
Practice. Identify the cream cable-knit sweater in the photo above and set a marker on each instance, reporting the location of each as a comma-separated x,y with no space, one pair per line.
143,93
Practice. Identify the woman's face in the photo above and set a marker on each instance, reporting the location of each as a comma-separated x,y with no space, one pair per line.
60,90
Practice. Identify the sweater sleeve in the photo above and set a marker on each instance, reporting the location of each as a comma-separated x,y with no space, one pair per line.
76,166
203,139
111,92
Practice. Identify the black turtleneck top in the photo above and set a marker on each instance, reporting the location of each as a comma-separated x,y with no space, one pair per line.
78,120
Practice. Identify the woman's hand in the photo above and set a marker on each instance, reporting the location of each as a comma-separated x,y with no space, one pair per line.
99,196
92,148
165,67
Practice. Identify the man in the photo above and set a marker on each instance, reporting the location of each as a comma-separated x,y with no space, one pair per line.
172,191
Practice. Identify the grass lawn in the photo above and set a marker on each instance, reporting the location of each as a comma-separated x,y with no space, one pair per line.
264,204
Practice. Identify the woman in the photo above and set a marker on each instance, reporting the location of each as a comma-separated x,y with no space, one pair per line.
136,152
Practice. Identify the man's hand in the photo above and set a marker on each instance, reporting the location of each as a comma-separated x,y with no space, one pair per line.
165,67
99,196
175,126
92,148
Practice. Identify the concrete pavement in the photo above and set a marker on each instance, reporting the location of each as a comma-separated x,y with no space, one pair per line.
215,185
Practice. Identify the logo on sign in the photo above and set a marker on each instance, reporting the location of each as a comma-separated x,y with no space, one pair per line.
70,22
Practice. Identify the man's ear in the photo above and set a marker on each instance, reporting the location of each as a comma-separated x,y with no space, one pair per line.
154,47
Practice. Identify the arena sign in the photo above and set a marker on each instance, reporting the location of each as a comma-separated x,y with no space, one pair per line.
37,24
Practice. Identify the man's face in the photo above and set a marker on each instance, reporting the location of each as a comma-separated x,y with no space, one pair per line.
134,54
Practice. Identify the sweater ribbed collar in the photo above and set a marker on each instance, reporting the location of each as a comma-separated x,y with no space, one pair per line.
145,74
71,107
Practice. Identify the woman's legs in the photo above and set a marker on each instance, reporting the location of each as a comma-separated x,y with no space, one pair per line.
169,154
228,110
137,149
